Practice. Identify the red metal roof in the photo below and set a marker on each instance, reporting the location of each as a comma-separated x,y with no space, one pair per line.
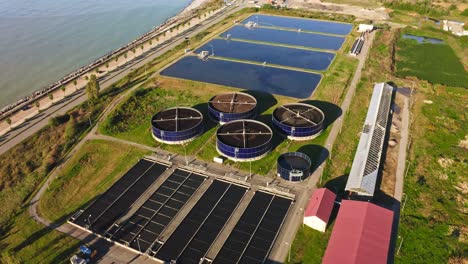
361,234
321,204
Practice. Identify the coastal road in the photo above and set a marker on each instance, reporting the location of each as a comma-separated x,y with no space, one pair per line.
30,127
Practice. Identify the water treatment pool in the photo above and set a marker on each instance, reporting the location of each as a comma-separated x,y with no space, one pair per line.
301,23
245,76
292,57
286,37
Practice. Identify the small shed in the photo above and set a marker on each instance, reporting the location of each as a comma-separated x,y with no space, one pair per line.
319,209
365,27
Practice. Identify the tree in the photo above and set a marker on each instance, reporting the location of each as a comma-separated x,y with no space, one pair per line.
86,77
107,65
157,39
75,82
134,51
151,42
38,105
63,89
116,58
125,56
8,120
51,97
71,129
92,88
97,70
141,47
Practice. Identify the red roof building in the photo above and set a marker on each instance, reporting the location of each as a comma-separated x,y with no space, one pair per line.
319,209
361,234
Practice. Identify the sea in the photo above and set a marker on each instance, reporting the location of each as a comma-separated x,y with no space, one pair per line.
43,40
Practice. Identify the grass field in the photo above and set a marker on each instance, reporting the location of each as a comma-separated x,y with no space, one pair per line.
91,171
435,186
436,63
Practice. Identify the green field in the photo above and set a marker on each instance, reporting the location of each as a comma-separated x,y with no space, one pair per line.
436,63
91,171
435,186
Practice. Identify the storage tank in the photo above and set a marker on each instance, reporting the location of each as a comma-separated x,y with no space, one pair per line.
177,125
298,121
243,140
293,166
232,106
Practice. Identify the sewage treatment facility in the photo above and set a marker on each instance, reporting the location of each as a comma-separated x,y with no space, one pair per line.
244,140
274,54
298,121
177,125
176,215
232,106
179,211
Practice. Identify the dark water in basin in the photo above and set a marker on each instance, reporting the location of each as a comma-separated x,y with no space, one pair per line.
301,23
300,58
245,76
311,40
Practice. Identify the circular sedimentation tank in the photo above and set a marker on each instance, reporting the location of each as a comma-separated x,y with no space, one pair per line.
298,121
243,140
177,125
228,107
293,166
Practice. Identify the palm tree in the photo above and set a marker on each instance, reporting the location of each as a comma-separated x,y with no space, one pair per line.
51,97
8,120
63,89
141,47
125,56
86,77
116,58
151,42
75,82
107,66
37,104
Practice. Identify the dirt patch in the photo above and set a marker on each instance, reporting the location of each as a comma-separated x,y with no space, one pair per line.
445,162
464,143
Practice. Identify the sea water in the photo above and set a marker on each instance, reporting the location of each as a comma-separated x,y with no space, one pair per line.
43,40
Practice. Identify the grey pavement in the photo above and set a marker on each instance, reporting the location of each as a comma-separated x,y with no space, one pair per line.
401,164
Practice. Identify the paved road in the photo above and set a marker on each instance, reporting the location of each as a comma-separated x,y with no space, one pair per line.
294,222
28,128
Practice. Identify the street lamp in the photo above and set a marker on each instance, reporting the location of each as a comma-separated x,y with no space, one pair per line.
289,251
89,221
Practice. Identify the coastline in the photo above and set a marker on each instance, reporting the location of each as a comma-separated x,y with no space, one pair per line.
28,99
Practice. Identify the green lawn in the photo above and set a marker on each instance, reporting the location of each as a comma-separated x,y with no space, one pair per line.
436,63
309,246
91,171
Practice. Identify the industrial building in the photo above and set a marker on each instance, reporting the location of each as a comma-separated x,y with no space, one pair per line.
293,166
177,125
232,106
362,179
361,234
319,209
243,140
298,121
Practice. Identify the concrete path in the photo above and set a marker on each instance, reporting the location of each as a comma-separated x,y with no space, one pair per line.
285,239
401,165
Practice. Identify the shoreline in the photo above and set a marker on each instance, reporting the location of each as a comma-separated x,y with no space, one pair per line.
28,99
